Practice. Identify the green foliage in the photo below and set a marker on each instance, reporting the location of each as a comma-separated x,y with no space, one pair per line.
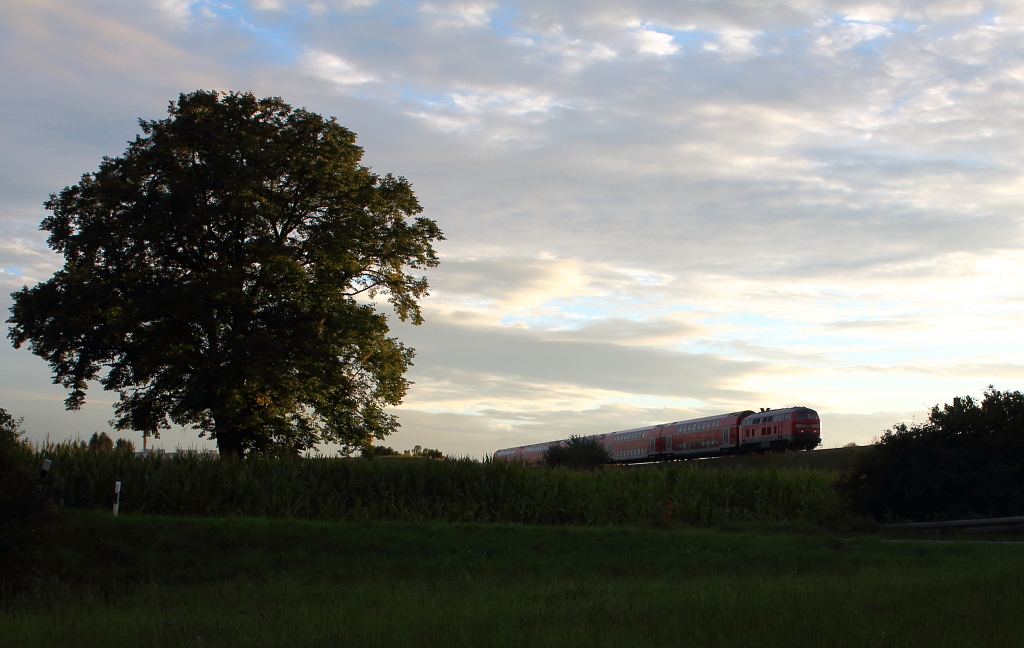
212,278
101,442
967,460
577,452
10,427
124,445
454,490
19,497
371,451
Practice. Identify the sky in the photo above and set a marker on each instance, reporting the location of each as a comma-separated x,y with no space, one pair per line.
653,210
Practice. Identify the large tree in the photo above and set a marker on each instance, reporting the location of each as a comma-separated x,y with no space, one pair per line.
221,274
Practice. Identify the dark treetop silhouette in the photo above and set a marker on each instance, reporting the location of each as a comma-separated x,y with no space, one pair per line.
220,275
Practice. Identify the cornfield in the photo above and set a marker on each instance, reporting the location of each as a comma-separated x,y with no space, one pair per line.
422,489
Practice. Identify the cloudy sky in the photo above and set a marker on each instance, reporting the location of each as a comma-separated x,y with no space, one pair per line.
653,210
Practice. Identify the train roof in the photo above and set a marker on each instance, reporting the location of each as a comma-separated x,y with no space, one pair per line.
710,417
780,410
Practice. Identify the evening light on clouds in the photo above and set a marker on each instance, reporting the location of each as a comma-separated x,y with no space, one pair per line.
654,211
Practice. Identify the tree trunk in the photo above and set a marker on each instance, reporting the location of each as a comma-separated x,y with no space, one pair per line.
229,437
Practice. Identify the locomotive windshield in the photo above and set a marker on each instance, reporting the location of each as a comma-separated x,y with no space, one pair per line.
805,414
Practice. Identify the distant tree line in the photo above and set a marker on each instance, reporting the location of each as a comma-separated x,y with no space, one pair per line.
101,442
373,451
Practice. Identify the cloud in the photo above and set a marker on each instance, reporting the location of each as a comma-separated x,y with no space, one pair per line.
482,433
459,15
846,35
650,41
517,355
619,330
331,68
509,283
647,204
882,325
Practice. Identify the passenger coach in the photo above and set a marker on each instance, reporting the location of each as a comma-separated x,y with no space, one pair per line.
793,428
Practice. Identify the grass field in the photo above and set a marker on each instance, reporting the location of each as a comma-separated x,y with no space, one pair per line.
839,460
95,580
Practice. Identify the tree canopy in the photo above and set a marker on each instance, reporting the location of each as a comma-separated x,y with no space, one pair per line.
221,274
966,460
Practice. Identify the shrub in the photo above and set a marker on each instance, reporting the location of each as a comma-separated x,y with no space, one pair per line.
967,460
17,487
576,452
21,501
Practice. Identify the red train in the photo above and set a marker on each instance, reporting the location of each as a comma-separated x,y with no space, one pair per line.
778,430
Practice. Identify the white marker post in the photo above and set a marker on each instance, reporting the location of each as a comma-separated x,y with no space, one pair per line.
46,469
117,496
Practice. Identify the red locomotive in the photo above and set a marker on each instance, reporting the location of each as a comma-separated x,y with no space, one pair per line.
791,428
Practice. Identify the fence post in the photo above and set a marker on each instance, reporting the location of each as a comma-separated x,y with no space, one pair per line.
117,496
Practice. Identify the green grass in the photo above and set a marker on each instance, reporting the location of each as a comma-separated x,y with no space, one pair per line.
838,460
92,580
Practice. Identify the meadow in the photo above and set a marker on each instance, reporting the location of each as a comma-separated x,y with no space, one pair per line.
417,552
190,581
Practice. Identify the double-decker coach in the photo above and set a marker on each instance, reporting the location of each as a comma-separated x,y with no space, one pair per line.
792,428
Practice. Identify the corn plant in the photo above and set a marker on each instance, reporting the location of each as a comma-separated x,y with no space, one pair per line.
423,489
